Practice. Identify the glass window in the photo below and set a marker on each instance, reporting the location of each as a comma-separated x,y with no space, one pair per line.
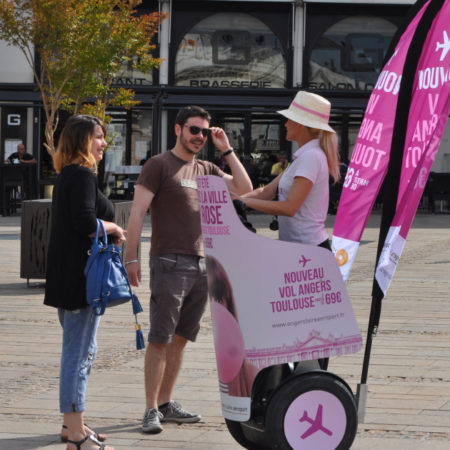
116,135
141,136
265,136
349,55
256,141
353,132
235,130
265,148
131,77
234,127
230,50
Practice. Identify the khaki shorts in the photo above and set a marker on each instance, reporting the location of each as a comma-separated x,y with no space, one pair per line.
179,293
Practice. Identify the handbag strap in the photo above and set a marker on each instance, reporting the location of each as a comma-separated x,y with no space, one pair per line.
104,237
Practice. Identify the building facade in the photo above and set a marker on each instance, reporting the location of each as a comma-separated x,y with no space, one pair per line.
242,60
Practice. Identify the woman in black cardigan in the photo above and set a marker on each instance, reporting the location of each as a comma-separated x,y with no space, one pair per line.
77,203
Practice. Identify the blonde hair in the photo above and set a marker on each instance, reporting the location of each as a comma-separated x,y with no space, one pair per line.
75,143
329,145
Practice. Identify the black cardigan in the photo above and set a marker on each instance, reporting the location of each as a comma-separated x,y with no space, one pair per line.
76,204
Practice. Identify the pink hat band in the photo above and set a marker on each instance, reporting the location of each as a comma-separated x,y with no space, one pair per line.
311,111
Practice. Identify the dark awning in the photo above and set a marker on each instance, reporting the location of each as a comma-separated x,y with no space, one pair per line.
218,99
262,101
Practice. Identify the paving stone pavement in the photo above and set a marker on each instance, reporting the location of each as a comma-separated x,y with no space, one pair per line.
408,405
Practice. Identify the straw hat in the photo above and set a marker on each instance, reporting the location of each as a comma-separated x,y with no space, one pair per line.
310,110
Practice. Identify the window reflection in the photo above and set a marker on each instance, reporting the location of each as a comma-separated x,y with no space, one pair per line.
130,77
363,52
256,141
116,133
141,136
349,55
230,50
231,47
235,130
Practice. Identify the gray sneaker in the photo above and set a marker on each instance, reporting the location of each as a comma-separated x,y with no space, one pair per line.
173,412
151,423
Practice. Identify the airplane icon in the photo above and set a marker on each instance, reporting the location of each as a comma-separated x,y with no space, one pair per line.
303,260
445,46
316,424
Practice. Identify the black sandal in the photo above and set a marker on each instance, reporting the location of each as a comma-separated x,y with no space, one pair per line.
89,436
99,437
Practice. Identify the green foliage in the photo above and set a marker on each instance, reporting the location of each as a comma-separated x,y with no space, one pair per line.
76,48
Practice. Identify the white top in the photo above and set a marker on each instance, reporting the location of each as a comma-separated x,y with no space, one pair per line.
308,224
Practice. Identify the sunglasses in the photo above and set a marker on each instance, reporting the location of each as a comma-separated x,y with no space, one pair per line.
194,130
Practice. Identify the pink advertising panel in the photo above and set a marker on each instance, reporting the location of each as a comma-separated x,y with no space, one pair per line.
272,302
370,157
429,111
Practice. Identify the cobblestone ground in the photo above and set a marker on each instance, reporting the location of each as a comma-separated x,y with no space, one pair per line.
408,405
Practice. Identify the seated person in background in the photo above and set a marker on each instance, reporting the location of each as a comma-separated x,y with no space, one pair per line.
279,167
21,156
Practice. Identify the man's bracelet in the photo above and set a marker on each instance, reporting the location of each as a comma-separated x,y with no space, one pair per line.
130,261
228,152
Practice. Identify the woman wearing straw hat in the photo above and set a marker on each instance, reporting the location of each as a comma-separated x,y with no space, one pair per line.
303,188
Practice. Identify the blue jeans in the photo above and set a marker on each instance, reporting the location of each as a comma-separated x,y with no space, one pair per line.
79,347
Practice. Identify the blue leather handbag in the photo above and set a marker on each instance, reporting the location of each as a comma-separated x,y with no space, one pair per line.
107,282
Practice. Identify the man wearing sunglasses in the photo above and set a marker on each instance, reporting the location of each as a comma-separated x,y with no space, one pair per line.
167,185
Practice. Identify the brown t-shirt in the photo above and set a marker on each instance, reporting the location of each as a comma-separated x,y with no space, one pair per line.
174,210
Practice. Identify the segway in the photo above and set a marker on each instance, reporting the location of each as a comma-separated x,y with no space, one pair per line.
279,311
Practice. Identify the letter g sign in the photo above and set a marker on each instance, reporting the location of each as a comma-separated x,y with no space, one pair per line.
14,120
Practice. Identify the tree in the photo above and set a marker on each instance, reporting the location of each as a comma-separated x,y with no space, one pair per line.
76,48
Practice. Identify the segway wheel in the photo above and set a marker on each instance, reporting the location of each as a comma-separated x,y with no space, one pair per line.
312,411
235,429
